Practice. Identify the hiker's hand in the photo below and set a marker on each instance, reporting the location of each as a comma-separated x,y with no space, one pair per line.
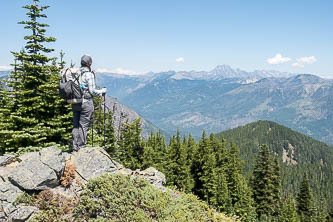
104,91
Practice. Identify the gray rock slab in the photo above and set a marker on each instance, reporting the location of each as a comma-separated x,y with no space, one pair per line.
4,172
8,194
32,174
53,158
3,217
155,177
92,162
22,213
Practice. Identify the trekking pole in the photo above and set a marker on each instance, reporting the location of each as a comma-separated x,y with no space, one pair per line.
104,118
92,131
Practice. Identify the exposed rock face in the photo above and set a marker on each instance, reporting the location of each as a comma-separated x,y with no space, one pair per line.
154,176
93,162
39,170
44,170
22,214
8,194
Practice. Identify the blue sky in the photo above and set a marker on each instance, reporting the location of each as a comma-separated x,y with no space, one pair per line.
135,36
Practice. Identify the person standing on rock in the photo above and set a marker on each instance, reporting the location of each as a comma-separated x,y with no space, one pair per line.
83,112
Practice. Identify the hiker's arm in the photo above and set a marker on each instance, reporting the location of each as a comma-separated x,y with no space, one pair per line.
92,86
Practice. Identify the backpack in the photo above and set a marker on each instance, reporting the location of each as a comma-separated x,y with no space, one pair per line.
70,85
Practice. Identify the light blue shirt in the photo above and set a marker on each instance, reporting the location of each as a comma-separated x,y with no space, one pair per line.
88,83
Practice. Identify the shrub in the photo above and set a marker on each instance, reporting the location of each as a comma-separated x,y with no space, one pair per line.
24,198
53,207
120,198
69,174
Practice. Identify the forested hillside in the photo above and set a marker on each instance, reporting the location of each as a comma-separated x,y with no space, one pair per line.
298,154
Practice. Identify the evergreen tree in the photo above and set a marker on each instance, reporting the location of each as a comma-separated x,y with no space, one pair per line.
148,157
131,145
191,150
204,171
155,152
304,200
242,203
233,171
244,207
178,169
288,210
276,181
36,116
262,184
223,200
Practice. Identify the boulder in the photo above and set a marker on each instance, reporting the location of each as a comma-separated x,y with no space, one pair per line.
22,214
53,158
8,194
93,162
155,177
38,170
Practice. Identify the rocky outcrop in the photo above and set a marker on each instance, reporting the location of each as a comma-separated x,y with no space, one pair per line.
152,175
23,213
92,163
38,170
8,194
48,170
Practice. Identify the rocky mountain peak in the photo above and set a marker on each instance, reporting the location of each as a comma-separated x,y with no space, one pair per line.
224,71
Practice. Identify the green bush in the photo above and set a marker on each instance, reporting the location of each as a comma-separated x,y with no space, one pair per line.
120,198
24,198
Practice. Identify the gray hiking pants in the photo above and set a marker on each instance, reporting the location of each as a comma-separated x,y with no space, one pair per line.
83,116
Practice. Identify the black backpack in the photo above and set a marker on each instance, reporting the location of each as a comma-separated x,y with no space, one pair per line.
70,85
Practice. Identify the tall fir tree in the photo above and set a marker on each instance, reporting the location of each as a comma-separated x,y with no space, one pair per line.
263,184
276,180
178,169
131,145
304,201
155,152
288,210
204,171
36,116
241,201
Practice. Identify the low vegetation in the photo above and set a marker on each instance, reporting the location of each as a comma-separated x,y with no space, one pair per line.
120,198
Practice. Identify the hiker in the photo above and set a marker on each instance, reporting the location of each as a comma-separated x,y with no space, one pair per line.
83,112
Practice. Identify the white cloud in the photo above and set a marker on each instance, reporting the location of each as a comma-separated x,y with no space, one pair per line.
180,59
307,60
301,62
117,70
297,65
103,70
5,68
278,59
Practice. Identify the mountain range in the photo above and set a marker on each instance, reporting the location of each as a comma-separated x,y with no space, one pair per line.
224,98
